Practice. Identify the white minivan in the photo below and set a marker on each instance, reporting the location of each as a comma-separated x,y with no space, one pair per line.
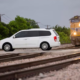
31,38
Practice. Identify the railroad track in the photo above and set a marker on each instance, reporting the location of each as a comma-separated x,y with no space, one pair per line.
18,56
14,72
71,47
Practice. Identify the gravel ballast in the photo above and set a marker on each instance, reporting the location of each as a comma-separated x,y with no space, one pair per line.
44,56
71,72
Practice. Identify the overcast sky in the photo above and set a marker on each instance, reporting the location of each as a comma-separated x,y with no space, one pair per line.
47,12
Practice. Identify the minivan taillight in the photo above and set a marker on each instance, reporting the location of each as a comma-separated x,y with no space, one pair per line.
55,38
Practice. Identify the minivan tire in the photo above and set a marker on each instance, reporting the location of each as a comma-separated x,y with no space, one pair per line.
44,46
7,47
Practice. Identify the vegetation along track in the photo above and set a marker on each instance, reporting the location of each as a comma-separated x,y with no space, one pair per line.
30,69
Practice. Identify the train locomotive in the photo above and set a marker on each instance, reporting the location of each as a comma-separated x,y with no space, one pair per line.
75,30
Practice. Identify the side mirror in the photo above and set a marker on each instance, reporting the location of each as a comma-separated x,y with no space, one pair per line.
13,37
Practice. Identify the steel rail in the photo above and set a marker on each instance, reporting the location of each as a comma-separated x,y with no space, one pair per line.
15,75
12,57
19,57
3,56
36,63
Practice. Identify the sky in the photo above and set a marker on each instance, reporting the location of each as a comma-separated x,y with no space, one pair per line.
45,12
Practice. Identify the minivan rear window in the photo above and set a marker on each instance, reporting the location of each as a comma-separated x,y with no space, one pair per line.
55,33
44,33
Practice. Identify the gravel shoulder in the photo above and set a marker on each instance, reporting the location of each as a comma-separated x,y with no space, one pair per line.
38,50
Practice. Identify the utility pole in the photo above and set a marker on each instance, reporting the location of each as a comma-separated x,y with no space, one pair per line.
47,26
0,16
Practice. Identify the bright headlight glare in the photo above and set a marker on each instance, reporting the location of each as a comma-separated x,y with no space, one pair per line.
74,33
79,24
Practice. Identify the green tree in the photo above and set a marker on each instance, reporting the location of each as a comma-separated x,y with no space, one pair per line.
64,33
64,38
58,28
32,23
66,30
4,31
18,24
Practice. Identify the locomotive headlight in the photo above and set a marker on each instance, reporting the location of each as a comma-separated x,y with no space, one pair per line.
74,33
79,24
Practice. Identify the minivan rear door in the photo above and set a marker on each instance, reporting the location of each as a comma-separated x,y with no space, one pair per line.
56,35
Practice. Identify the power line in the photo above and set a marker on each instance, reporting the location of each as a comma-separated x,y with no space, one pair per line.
42,24
5,20
45,25
8,17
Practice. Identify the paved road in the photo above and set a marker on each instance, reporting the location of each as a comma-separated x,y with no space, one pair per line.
39,50
28,51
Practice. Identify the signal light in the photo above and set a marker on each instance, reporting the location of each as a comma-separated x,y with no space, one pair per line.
74,33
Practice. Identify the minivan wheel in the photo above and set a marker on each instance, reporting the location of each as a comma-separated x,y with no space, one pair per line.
7,47
44,46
